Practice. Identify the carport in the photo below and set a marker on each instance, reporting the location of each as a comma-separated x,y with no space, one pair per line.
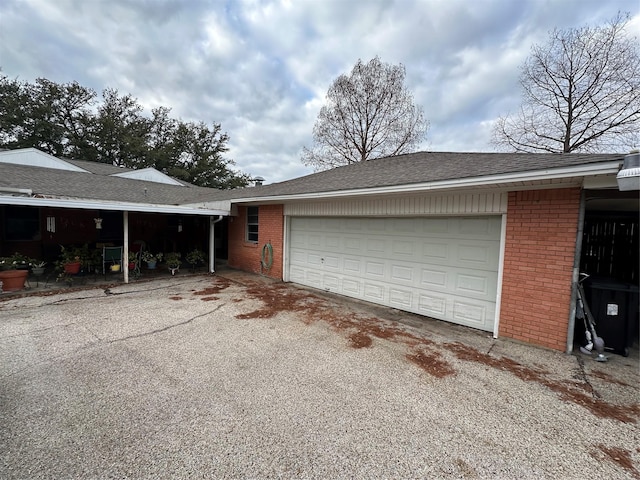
46,202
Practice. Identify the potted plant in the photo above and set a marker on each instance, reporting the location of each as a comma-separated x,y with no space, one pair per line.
195,258
38,268
173,261
151,259
14,271
69,260
133,258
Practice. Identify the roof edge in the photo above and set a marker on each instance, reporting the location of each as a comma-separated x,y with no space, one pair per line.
574,172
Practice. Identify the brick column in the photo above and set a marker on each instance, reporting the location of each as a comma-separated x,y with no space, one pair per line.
538,264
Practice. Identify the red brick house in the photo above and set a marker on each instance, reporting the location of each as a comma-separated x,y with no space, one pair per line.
490,241
487,240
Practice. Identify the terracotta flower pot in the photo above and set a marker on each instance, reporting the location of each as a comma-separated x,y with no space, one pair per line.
13,280
72,268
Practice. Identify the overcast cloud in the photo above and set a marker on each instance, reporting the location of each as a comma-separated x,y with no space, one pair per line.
262,68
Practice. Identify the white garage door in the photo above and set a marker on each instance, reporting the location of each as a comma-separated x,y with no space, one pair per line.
445,268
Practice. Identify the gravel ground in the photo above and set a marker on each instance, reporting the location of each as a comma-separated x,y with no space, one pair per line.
237,376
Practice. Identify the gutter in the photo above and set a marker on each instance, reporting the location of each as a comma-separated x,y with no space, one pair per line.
112,206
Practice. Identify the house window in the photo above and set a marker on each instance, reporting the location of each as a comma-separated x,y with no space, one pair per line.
21,223
252,224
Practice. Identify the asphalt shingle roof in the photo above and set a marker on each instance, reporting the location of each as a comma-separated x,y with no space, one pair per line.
421,167
414,168
80,185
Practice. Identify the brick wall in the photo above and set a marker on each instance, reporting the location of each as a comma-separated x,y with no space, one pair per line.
246,256
538,263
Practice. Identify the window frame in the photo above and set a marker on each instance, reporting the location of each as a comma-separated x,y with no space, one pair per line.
252,225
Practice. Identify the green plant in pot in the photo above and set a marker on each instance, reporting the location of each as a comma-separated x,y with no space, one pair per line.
38,268
173,261
70,260
14,271
133,258
196,258
151,259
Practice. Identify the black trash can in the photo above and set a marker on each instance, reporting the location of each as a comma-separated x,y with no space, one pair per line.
614,306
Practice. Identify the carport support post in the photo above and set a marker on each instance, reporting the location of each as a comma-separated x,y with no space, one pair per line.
125,251
212,243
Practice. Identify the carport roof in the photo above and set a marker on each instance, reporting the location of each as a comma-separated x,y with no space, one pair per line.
415,169
97,188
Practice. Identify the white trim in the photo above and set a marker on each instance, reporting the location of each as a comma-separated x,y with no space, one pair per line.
576,172
32,157
285,247
503,244
148,174
115,206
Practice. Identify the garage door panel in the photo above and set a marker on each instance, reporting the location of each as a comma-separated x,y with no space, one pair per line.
375,247
352,266
472,284
331,283
314,259
352,245
374,269
481,255
331,262
401,298
433,278
403,274
404,248
445,268
432,305
374,292
432,251
469,313
352,288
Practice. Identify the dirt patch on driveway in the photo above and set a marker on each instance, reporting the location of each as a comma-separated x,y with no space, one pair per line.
423,352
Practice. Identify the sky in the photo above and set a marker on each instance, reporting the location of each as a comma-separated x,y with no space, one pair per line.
262,68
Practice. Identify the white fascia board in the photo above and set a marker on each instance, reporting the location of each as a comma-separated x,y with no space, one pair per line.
576,172
216,205
116,206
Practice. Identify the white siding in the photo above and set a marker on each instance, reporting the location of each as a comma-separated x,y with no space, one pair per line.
459,204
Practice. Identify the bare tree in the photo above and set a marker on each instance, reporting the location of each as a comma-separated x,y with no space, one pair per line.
369,114
581,93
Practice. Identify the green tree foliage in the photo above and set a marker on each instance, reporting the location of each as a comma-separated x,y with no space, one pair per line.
581,93
368,114
68,120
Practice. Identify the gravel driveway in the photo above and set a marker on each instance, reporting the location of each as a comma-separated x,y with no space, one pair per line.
237,376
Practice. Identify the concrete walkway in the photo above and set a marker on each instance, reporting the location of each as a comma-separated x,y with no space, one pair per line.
237,376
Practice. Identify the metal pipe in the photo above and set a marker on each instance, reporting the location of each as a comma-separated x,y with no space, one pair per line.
125,254
576,273
212,243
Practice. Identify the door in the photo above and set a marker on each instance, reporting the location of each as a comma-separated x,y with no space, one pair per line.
441,267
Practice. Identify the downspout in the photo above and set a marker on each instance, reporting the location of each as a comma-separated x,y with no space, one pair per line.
576,273
125,251
212,242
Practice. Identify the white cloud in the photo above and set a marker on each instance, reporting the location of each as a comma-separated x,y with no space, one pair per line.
262,68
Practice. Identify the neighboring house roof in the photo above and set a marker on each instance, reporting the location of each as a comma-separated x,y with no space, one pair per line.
94,185
428,170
